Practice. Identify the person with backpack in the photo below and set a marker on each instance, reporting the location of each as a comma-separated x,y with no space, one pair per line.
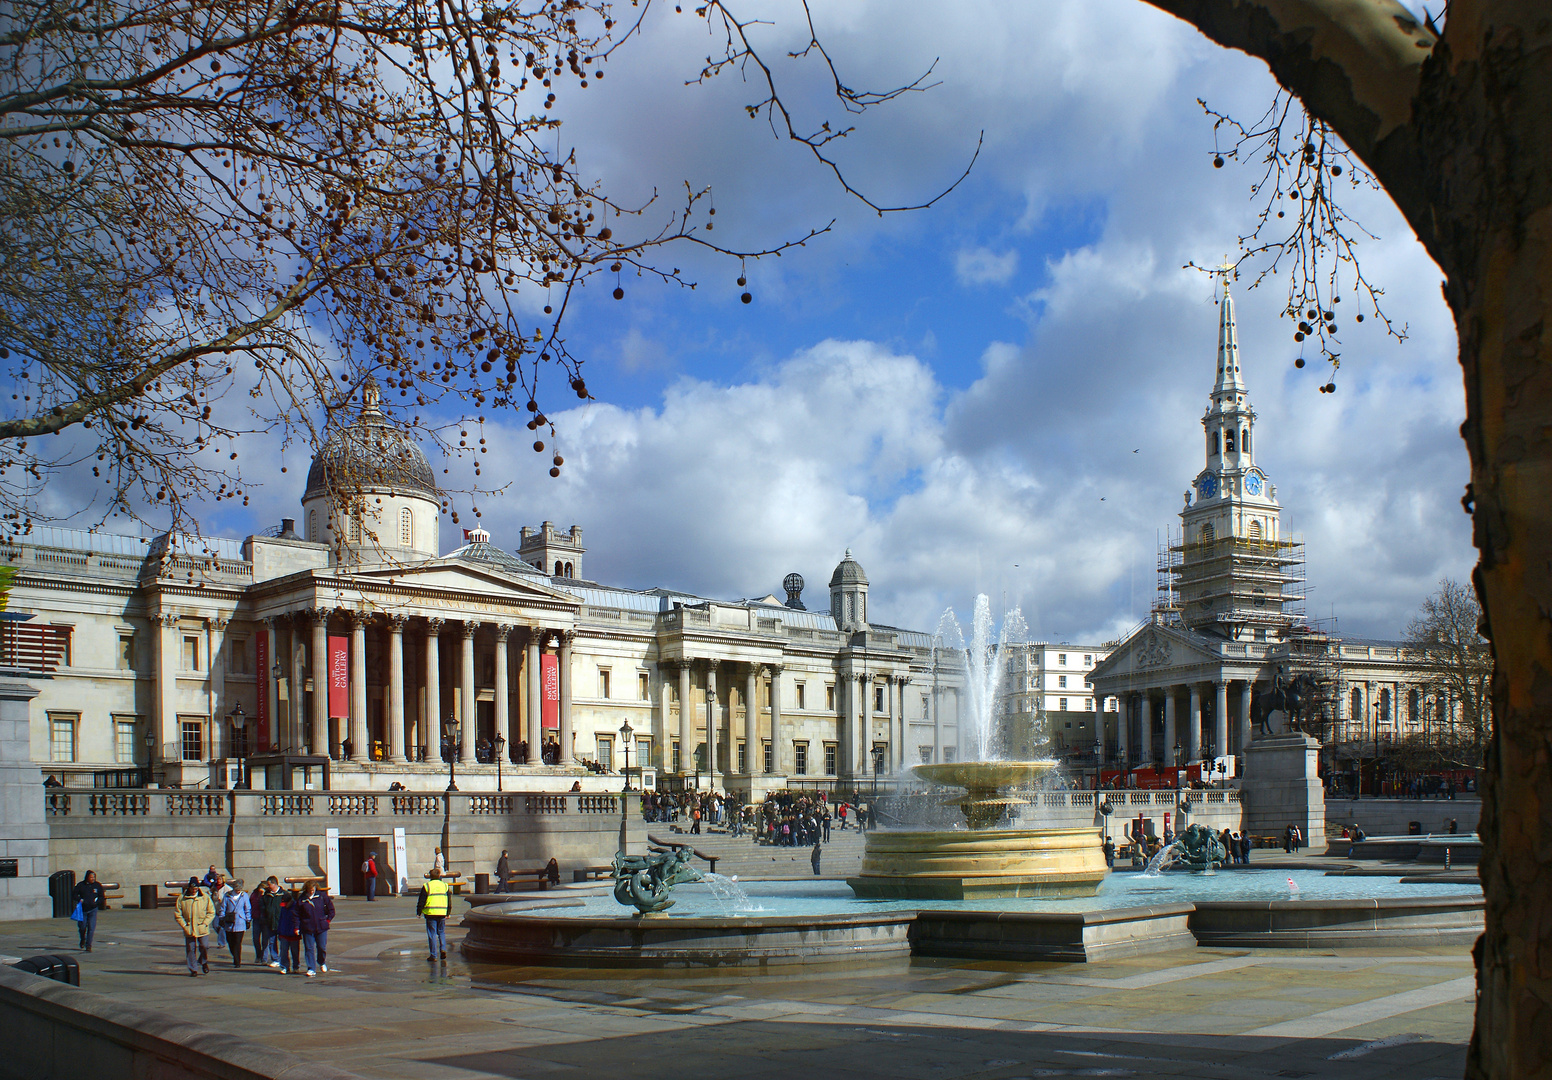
314,912
266,921
369,869
236,914
435,901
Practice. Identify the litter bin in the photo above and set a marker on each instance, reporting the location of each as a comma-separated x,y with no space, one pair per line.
61,885
482,883
150,898
1414,828
59,968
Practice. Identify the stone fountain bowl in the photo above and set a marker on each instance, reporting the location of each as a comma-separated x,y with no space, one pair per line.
984,774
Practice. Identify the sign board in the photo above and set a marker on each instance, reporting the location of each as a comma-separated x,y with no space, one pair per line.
549,679
401,861
339,676
7,868
331,859
261,723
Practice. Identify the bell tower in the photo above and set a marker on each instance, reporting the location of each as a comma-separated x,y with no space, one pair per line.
1230,572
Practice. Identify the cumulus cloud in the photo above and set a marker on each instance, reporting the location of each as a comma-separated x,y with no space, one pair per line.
982,266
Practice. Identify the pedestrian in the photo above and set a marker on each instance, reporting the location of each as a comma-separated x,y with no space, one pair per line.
437,862
552,872
195,914
314,912
211,879
289,930
260,934
435,900
369,868
266,921
841,813
826,822
1288,840
90,897
814,858
696,827
503,871
1244,848
236,914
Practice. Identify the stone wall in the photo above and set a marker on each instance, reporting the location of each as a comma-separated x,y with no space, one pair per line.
150,837
1390,817
23,832
55,1032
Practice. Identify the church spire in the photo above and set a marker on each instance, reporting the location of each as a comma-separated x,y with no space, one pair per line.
1229,380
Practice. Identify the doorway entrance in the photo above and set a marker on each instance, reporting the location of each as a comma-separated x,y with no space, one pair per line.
353,853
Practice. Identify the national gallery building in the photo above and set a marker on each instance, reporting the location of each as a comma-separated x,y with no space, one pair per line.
354,654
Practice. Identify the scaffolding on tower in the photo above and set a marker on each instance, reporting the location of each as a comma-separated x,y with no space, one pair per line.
1233,581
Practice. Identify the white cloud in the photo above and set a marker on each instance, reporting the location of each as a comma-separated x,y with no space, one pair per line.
982,266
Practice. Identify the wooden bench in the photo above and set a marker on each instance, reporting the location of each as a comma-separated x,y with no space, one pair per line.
297,883
451,877
536,878
591,873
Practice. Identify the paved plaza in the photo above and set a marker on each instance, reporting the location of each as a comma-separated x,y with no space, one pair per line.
383,1011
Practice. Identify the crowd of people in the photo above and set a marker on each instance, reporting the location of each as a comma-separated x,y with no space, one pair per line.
290,928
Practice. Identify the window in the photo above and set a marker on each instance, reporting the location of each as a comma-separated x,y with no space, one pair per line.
878,699
570,571
1414,706
769,752
1061,704
643,752
606,752
1061,681
1088,704
1244,439
124,741
192,730
830,697
1061,658
62,729
1088,659
354,530
925,753
237,655
190,652
674,756
312,525
1254,531
559,566
743,765
643,686
802,697
603,683
406,528
1215,442
1228,442
800,758
948,753
1207,533
127,652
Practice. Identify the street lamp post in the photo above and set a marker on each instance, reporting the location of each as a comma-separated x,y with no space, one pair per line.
499,744
451,730
626,731
239,723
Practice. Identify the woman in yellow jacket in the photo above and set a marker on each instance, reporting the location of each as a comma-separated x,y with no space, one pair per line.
195,914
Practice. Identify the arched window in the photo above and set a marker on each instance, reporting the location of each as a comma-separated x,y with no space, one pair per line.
1208,533
1215,443
1254,530
1385,704
406,528
1228,442
1355,710
559,566
312,525
1244,440
570,570
1414,706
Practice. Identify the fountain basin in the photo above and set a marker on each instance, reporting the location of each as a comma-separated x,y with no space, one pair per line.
516,933
978,864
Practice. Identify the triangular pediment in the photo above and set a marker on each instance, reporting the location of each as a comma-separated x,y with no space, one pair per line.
1156,647
457,575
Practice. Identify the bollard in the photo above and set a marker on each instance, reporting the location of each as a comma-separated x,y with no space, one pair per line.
482,883
149,898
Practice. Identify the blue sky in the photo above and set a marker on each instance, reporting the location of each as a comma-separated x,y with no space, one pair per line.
998,394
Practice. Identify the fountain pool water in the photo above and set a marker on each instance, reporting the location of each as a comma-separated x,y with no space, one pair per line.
778,899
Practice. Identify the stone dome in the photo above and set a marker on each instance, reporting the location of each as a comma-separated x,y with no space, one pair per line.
371,454
848,572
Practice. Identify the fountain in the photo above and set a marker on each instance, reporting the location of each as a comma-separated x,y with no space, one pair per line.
983,860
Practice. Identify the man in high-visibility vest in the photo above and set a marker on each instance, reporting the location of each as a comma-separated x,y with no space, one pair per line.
436,898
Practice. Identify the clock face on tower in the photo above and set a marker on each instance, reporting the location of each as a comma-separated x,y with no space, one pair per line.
1253,483
1207,487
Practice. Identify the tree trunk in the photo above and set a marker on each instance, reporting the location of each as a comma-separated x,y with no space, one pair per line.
1471,168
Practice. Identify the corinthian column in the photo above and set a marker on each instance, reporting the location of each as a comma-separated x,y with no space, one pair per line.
686,718
396,688
503,706
1220,718
780,760
533,723
360,751
567,638
433,733
466,694
711,719
752,720
320,666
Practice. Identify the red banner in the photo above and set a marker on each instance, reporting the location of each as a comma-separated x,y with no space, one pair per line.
339,676
549,679
261,736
